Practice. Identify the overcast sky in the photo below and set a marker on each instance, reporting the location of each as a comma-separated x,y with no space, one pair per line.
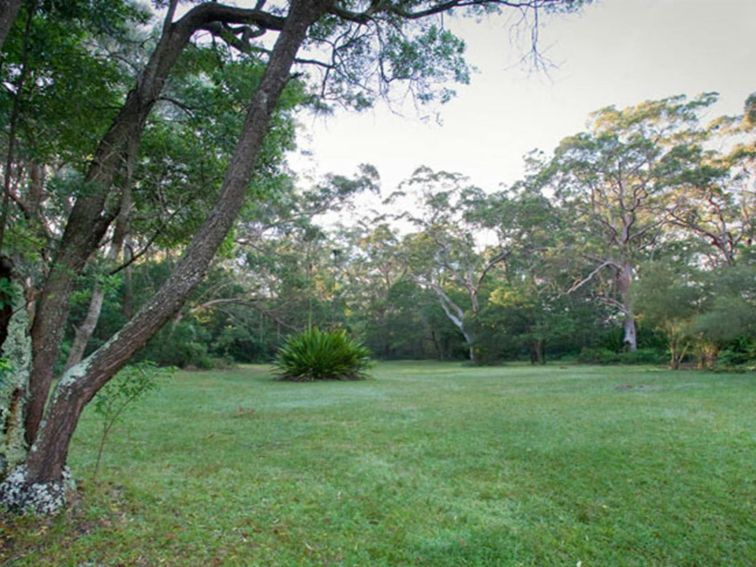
616,52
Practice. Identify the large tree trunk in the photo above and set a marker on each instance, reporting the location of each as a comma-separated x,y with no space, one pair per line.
624,283
40,485
630,337
90,217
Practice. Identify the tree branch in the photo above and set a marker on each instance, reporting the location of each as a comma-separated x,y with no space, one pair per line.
577,285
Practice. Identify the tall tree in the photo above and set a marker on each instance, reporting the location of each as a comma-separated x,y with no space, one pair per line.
614,182
446,253
373,44
716,198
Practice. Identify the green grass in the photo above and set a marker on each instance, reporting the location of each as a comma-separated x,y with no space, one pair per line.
427,464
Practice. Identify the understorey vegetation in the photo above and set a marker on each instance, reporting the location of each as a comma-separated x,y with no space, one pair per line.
321,355
531,273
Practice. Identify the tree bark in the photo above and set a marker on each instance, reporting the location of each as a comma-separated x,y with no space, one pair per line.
47,457
456,315
16,347
84,331
36,188
624,283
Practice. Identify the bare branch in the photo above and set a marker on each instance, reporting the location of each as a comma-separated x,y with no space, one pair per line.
439,8
577,285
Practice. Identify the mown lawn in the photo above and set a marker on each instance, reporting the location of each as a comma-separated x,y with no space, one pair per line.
427,464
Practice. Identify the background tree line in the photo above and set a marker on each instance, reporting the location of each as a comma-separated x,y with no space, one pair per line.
631,241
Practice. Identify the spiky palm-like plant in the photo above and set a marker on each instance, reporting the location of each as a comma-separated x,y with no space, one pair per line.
322,355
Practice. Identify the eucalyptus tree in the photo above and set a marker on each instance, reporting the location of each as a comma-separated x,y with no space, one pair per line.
446,253
716,200
527,301
615,182
362,48
374,265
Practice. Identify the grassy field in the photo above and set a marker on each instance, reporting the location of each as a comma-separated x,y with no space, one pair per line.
426,464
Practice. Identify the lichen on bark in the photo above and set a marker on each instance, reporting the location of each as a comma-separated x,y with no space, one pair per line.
14,386
18,495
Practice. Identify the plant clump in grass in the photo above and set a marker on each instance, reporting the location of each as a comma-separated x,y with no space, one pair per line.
322,355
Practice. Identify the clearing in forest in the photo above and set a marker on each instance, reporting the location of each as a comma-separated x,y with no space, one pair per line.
426,464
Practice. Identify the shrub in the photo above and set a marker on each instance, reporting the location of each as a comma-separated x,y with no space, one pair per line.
182,344
606,356
739,355
322,355
590,355
128,386
644,356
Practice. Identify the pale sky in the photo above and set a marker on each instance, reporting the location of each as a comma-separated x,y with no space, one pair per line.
616,52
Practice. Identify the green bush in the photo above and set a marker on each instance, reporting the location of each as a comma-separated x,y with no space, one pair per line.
607,356
644,356
590,355
322,355
182,344
739,355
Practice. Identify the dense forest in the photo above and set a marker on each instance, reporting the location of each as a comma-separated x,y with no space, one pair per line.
629,242
147,202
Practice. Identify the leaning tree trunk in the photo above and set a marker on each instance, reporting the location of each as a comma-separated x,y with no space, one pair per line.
624,283
41,484
93,213
456,315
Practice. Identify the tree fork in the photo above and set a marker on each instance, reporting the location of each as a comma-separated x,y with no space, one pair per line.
46,460
89,219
